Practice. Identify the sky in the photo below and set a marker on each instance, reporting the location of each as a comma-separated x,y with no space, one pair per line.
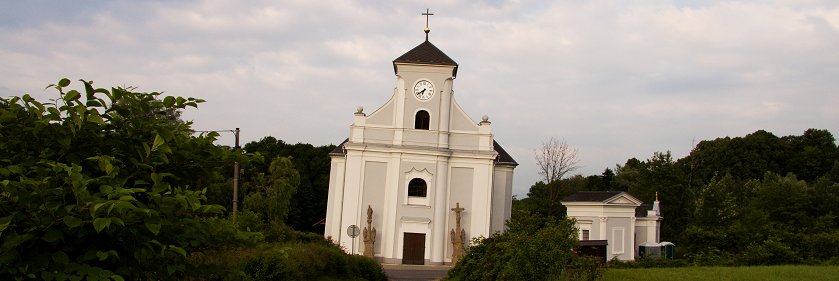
614,79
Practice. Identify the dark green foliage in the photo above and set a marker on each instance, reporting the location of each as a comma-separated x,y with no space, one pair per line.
751,200
310,261
808,156
533,248
661,174
299,256
308,206
270,199
111,185
101,184
364,268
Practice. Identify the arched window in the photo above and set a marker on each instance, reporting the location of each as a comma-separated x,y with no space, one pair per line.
417,188
422,120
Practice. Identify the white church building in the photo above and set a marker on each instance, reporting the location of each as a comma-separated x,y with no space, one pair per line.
413,160
618,218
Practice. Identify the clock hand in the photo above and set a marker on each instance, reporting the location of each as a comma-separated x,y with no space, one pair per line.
420,93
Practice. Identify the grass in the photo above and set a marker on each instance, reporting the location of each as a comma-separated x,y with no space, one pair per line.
763,273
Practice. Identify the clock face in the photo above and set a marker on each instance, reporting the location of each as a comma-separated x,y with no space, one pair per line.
424,90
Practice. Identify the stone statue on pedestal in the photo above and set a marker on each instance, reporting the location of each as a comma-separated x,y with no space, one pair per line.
369,234
458,235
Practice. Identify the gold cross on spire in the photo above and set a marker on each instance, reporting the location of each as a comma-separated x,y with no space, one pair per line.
427,30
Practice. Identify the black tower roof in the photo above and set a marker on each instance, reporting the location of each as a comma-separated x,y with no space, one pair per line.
426,53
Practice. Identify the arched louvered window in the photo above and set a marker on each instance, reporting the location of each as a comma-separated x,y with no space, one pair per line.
422,120
417,188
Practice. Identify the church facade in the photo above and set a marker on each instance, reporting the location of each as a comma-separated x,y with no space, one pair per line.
416,168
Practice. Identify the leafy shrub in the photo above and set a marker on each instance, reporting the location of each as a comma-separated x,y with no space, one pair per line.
278,232
711,257
366,268
533,248
219,264
269,264
584,268
309,261
769,252
247,220
101,184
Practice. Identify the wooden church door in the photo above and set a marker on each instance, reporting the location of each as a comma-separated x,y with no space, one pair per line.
413,248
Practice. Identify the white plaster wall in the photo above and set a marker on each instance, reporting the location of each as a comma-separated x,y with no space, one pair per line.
375,180
464,141
384,115
420,137
460,121
335,198
378,135
502,188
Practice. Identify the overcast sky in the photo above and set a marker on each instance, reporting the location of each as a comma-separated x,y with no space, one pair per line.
615,79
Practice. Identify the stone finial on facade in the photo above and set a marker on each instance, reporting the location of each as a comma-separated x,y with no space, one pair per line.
359,111
458,236
369,233
484,120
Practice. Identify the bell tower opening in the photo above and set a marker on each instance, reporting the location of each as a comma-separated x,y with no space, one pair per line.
422,120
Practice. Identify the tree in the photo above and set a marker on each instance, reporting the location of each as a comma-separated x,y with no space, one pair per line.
92,190
312,162
272,199
555,159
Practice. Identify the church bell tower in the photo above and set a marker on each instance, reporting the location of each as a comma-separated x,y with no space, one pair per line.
412,161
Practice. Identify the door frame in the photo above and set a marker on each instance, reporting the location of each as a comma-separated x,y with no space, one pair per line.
416,245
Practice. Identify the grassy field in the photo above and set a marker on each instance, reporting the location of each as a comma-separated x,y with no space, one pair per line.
762,273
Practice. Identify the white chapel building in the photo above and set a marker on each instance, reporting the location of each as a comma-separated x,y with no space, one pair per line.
413,160
618,218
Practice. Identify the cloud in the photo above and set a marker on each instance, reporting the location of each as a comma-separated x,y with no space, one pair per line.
615,79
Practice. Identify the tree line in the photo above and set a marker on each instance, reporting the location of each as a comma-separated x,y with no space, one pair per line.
756,199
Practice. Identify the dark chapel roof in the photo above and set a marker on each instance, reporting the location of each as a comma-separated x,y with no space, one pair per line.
591,196
426,53
641,211
503,156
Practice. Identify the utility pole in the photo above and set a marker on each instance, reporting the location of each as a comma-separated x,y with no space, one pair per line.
235,170
236,177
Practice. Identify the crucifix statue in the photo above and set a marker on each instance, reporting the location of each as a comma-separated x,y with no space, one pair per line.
369,234
458,235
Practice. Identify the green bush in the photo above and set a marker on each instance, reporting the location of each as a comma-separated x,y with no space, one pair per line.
584,268
278,232
309,261
366,268
269,264
102,184
220,264
247,220
533,248
769,252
